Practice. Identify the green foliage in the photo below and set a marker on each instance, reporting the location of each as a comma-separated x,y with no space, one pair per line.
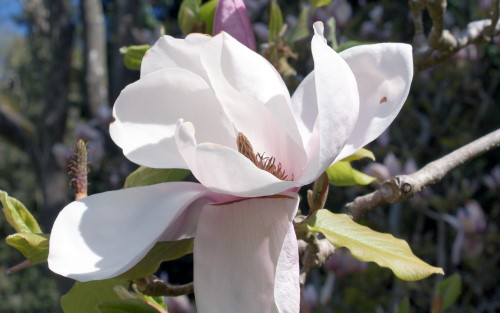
368,245
207,14
126,306
403,306
320,3
446,293
342,174
34,247
301,29
189,15
144,176
17,215
162,251
360,154
132,56
84,297
275,21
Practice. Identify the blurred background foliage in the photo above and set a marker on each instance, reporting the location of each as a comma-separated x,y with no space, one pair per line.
46,104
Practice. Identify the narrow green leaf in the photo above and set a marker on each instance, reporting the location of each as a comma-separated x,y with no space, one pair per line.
34,247
342,174
301,29
320,3
84,297
162,251
188,15
332,36
403,306
275,21
370,246
17,215
448,291
132,56
360,154
144,176
207,14
126,306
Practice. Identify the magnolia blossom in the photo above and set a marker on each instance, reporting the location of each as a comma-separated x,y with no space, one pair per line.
211,105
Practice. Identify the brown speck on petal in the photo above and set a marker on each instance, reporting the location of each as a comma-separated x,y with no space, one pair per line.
384,99
112,121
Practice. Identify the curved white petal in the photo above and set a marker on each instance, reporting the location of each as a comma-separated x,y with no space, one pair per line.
338,104
384,73
104,235
242,251
169,52
146,114
305,107
225,170
255,99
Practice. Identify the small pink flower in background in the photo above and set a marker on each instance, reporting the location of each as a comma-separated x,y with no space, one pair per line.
217,108
231,17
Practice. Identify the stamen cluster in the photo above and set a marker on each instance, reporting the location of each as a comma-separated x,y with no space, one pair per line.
263,162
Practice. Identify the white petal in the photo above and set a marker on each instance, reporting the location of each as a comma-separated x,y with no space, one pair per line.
146,114
305,107
384,73
255,99
169,52
104,235
241,252
225,170
338,104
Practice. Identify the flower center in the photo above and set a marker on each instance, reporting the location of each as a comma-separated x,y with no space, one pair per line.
267,164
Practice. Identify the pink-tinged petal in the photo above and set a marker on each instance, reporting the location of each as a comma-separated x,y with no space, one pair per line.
169,52
146,114
337,104
287,284
255,99
225,170
104,235
231,17
384,73
242,251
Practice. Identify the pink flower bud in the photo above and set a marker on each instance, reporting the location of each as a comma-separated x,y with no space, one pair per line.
231,17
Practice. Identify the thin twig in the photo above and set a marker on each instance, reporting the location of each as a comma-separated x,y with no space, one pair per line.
153,286
401,188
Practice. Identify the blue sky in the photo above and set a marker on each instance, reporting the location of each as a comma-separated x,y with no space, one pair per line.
9,9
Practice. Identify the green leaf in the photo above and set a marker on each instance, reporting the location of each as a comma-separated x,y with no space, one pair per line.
360,154
369,246
342,174
132,56
320,3
207,14
34,247
144,176
447,292
301,29
126,306
162,251
84,297
188,15
332,36
17,215
275,21
403,306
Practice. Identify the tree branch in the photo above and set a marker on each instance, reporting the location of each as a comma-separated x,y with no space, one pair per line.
441,44
15,128
402,188
153,286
